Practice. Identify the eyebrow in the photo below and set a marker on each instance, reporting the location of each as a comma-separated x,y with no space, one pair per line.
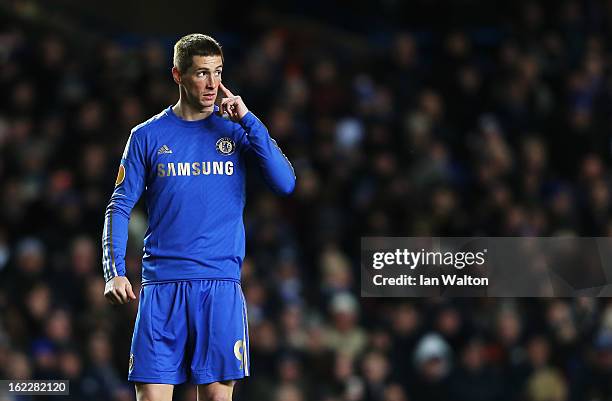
208,69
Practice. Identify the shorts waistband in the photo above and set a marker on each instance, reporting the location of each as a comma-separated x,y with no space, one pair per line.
190,279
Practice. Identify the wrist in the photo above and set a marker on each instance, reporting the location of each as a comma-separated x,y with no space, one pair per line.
244,114
246,119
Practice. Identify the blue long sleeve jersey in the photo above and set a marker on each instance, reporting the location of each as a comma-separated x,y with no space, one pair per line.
193,177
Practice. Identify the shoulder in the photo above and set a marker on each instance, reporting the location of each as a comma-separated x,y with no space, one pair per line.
148,126
140,134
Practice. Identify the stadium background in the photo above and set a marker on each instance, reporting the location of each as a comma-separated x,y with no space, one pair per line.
459,117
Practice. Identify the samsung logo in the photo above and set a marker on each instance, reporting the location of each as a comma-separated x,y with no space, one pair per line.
195,168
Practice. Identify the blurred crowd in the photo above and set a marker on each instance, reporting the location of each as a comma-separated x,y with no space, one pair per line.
469,131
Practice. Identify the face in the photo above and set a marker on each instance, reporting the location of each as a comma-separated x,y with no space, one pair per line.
200,83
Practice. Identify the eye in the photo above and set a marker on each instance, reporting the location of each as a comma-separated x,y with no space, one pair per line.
218,73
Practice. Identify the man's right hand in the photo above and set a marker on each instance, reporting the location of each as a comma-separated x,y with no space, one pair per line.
118,290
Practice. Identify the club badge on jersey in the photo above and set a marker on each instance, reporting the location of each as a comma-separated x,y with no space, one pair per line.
226,146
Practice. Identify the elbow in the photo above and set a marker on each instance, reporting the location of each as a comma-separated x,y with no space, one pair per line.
118,208
286,188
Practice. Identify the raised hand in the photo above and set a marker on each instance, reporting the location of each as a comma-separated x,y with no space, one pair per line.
231,104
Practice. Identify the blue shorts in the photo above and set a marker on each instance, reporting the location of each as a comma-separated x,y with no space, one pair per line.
190,331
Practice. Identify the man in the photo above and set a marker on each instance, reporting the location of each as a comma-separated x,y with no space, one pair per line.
189,162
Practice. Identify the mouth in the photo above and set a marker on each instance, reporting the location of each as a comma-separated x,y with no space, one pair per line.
209,96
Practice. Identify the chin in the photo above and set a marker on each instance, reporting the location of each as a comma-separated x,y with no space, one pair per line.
207,105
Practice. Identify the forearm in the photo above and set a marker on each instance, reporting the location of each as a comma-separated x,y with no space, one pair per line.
276,168
114,240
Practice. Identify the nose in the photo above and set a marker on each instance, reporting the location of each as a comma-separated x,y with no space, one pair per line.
212,81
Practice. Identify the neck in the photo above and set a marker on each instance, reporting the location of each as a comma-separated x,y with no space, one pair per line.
188,112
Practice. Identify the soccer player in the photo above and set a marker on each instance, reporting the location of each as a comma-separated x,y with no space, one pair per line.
189,162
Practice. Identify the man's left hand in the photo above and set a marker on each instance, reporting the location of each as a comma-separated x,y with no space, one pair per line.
231,104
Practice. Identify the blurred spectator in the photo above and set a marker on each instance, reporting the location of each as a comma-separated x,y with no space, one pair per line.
433,363
375,367
100,381
288,392
395,392
344,335
71,368
473,379
293,327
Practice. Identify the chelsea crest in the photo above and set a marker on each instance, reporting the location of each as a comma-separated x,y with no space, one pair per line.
226,146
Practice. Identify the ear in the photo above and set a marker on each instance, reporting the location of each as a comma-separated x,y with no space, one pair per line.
176,74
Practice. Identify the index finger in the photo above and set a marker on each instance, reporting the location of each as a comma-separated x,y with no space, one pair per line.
225,91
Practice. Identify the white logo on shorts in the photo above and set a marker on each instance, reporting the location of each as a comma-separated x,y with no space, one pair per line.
239,351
